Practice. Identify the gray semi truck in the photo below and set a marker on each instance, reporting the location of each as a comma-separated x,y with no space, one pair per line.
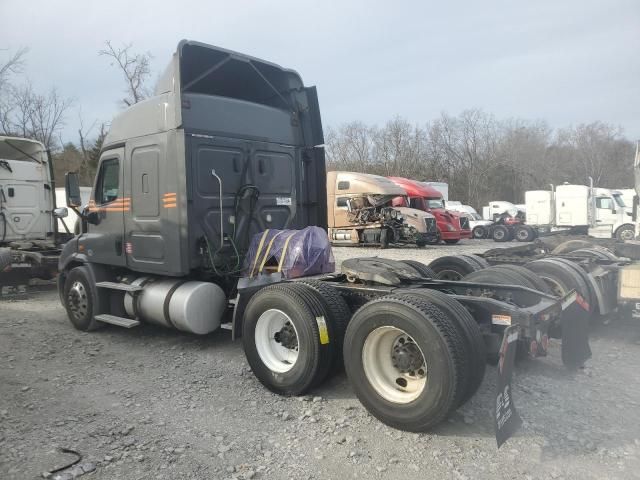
231,146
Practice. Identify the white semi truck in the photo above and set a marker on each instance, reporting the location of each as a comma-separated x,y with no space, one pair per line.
29,239
598,212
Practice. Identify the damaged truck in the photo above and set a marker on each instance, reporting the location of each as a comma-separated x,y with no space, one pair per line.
360,212
198,196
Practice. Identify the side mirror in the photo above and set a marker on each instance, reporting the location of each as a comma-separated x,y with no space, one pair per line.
93,218
60,212
72,189
613,210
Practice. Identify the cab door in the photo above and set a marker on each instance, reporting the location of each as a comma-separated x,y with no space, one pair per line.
605,211
103,242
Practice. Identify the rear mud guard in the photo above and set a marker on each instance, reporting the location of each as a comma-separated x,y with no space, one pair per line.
575,332
506,418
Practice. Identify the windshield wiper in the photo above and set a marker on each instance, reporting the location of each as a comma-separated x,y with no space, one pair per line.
23,152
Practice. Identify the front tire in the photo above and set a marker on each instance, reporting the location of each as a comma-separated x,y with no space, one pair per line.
625,232
79,299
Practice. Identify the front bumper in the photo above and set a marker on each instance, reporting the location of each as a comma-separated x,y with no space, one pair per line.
426,237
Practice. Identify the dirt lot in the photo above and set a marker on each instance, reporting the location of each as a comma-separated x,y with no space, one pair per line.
153,403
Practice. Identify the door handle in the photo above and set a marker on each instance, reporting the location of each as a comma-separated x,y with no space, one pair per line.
118,246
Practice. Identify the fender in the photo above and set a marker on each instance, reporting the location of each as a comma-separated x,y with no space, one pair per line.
71,258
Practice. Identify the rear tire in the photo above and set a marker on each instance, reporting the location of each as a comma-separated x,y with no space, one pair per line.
479,232
531,277
470,333
453,267
524,233
502,276
595,252
570,246
5,259
421,268
405,362
501,233
288,349
481,262
339,315
561,278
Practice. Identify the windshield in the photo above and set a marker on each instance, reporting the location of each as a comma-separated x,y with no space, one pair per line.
619,200
18,149
435,203
417,203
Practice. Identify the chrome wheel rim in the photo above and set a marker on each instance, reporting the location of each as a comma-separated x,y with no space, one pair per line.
627,235
276,340
78,300
394,365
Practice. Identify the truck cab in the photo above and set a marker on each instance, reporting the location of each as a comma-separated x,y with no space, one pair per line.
26,195
360,211
612,217
28,213
228,146
451,225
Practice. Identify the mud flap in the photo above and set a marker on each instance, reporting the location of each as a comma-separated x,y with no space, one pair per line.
506,418
575,334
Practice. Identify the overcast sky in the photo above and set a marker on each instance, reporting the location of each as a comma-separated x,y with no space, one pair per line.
566,62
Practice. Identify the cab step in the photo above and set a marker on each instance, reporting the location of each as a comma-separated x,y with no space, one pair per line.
119,286
119,321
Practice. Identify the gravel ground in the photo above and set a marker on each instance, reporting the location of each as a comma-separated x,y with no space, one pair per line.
152,403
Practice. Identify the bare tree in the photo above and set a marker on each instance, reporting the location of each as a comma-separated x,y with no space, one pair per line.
136,68
12,66
27,113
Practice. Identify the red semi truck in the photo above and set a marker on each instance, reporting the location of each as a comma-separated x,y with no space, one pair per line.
451,225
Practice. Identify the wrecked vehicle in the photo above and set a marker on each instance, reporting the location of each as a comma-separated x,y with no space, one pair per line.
452,227
360,212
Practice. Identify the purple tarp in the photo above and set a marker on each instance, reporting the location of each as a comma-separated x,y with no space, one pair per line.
306,252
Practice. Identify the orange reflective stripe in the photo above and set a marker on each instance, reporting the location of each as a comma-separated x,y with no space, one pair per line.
169,205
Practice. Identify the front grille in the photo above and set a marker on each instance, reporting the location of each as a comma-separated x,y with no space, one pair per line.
464,223
431,225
